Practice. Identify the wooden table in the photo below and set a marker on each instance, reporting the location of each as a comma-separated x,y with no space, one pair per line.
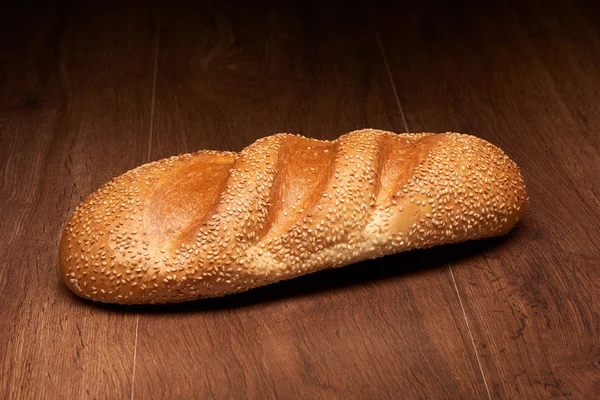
90,89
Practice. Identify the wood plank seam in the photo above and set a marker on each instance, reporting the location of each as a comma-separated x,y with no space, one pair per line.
150,133
398,102
389,75
462,308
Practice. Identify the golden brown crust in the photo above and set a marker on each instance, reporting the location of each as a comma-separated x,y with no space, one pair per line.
213,223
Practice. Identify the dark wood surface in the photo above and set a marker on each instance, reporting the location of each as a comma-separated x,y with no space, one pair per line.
90,89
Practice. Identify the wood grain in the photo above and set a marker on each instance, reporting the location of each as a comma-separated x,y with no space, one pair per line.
73,113
89,90
228,75
523,77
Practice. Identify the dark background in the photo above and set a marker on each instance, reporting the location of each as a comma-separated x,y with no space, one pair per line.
90,89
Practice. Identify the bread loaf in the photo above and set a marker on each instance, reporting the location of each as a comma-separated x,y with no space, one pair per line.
213,223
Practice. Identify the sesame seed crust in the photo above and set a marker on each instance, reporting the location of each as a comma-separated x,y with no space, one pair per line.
211,223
